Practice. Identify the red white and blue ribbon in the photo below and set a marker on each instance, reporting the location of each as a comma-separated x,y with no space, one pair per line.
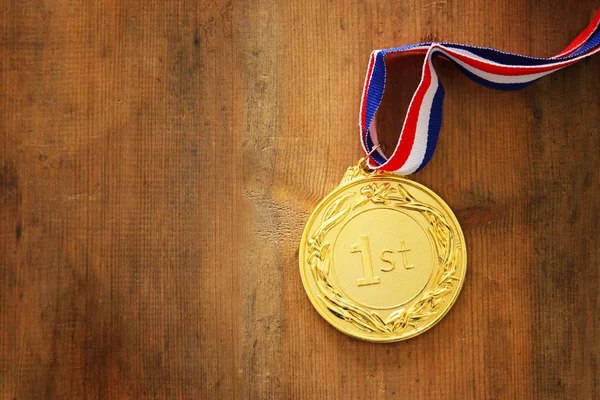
423,120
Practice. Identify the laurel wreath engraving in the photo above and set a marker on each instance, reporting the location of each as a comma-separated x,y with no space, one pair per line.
319,258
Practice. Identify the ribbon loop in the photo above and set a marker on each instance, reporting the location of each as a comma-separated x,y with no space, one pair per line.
489,67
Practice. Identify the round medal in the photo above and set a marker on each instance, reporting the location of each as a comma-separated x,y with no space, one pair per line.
382,258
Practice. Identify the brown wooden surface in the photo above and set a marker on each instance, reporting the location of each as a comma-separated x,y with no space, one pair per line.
158,161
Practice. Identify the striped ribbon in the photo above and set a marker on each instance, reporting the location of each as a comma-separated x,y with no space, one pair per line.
423,120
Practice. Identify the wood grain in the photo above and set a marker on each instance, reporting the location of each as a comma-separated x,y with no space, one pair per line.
159,159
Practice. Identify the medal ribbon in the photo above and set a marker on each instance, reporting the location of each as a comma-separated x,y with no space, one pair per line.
489,67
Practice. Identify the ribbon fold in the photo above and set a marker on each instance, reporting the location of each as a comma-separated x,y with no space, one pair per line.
489,67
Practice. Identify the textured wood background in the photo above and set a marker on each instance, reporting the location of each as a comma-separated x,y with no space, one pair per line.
158,161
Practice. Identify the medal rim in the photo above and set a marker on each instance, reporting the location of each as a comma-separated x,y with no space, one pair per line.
330,318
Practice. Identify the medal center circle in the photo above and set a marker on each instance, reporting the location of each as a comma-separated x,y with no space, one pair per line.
383,257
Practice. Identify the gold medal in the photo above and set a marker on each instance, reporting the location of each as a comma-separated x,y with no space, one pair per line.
382,258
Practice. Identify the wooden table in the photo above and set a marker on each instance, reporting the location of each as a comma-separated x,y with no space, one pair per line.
158,161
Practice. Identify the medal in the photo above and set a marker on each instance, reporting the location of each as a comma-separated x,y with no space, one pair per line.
383,258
